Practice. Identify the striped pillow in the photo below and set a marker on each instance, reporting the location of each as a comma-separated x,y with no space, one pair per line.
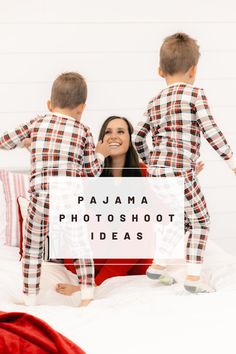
2,215
14,185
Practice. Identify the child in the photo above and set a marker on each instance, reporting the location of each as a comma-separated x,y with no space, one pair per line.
176,117
61,146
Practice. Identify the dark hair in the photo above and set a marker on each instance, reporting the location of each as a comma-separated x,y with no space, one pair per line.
178,54
131,159
69,90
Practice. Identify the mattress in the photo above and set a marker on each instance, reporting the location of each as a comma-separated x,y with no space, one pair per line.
133,314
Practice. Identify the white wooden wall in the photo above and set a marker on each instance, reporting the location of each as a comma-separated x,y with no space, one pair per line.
115,45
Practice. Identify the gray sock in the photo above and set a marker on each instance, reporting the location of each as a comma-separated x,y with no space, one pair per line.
197,287
161,275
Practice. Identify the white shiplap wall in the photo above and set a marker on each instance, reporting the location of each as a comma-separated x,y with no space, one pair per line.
115,45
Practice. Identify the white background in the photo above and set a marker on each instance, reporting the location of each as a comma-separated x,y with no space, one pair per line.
115,45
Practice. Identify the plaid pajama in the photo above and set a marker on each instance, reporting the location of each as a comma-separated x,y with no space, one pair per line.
197,219
36,230
61,146
176,118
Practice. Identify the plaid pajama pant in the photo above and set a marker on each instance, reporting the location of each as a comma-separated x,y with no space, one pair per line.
36,231
197,219
176,119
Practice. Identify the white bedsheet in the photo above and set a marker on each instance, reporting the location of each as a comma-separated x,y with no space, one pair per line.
134,314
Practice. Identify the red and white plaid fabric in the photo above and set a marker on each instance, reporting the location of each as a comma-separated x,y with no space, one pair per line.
176,117
197,219
36,224
61,146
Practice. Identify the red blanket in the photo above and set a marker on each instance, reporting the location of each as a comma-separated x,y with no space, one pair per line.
26,334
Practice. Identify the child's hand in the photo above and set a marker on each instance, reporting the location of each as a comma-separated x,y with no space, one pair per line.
103,148
234,170
84,303
27,143
199,167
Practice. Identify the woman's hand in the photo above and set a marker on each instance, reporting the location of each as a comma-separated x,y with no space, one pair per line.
67,289
199,167
103,148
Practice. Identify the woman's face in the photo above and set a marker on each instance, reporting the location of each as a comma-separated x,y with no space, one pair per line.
117,136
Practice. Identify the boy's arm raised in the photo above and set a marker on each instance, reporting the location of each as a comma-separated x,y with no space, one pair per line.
211,131
12,139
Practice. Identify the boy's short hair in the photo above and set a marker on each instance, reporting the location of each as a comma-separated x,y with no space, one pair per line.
178,54
69,90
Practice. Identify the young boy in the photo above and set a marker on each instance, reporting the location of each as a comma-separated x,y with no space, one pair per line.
61,146
176,117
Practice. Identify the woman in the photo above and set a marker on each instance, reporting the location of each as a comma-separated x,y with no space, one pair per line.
123,161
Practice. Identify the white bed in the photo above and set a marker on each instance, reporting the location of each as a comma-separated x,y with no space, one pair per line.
134,314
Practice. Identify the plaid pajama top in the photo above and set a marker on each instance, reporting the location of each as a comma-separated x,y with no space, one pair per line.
176,117
61,146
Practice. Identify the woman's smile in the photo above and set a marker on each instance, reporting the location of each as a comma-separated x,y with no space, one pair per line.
114,145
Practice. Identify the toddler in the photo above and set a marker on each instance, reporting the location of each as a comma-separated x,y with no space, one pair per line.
175,118
60,146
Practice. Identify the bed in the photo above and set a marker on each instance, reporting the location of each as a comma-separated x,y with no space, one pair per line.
133,314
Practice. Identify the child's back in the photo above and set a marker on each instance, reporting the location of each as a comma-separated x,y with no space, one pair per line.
176,117
61,146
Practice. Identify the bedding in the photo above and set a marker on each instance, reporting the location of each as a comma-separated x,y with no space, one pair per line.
24,333
133,314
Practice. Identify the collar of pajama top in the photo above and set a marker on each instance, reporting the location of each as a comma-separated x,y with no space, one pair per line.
179,83
57,114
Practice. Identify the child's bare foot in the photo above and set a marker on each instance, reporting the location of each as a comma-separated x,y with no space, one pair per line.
85,302
157,266
193,277
67,289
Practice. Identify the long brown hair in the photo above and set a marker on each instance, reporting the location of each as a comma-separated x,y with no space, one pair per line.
131,167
